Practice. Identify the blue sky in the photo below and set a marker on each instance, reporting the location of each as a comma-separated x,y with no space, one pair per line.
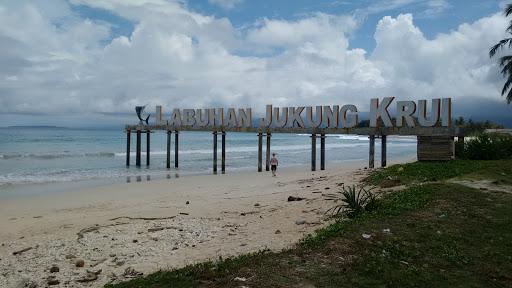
444,18
92,61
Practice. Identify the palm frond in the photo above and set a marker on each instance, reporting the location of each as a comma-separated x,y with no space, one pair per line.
506,63
506,87
494,49
509,28
507,68
505,59
509,94
508,10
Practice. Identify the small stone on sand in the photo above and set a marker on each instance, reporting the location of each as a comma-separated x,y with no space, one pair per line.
79,263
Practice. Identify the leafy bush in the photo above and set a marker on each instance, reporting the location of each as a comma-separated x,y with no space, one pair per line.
355,200
486,147
475,127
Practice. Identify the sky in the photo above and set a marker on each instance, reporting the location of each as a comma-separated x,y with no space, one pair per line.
88,63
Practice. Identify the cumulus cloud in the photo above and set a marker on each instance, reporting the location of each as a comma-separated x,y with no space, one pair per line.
454,64
55,61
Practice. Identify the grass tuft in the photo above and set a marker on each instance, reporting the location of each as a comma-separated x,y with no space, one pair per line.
421,172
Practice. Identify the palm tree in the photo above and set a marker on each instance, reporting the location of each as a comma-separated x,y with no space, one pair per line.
505,61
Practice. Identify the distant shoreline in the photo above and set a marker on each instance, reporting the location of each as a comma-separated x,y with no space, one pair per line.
35,126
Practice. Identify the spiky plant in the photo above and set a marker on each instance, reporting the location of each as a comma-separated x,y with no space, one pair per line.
354,201
505,61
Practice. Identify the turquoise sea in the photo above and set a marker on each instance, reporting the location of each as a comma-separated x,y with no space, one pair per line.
31,159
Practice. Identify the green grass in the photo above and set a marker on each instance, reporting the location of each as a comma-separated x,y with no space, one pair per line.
442,235
419,172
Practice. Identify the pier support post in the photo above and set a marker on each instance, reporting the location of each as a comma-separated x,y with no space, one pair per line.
322,151
313,152
148,146
371,161
383,151
223,152
458,145
267,153
260,152
128,139
214,152
138,148
168,162
176,148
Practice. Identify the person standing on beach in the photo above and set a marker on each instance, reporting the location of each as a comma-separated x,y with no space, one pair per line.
273,164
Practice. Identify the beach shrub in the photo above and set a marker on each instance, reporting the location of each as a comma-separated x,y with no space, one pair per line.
486,146
354,201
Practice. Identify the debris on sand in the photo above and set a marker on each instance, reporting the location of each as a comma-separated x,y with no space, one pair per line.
300,221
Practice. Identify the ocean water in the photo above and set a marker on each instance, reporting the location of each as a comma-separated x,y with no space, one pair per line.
33,156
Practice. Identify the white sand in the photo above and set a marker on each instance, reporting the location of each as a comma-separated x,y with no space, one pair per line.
213,227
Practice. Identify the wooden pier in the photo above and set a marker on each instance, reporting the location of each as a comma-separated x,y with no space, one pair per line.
429,147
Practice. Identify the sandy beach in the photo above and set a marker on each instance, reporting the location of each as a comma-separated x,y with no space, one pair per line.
123,229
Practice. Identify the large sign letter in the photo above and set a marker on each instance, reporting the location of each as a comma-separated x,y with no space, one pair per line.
446,112
232,122
176,118
405,109
267,121
188,117
381,112
244,118
294,117
199,118
348,120
216,118
434,114
314,123
280,121
331,116
158,116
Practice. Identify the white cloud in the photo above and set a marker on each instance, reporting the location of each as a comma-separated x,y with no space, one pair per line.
435,7
283,33
455,64
426,8
226,4
53,61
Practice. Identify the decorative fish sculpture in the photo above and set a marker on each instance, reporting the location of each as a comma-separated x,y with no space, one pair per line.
140,112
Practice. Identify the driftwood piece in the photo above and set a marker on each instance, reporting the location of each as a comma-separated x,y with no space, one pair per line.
94,228
21,251
99,262
142,218
292,198
155,229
